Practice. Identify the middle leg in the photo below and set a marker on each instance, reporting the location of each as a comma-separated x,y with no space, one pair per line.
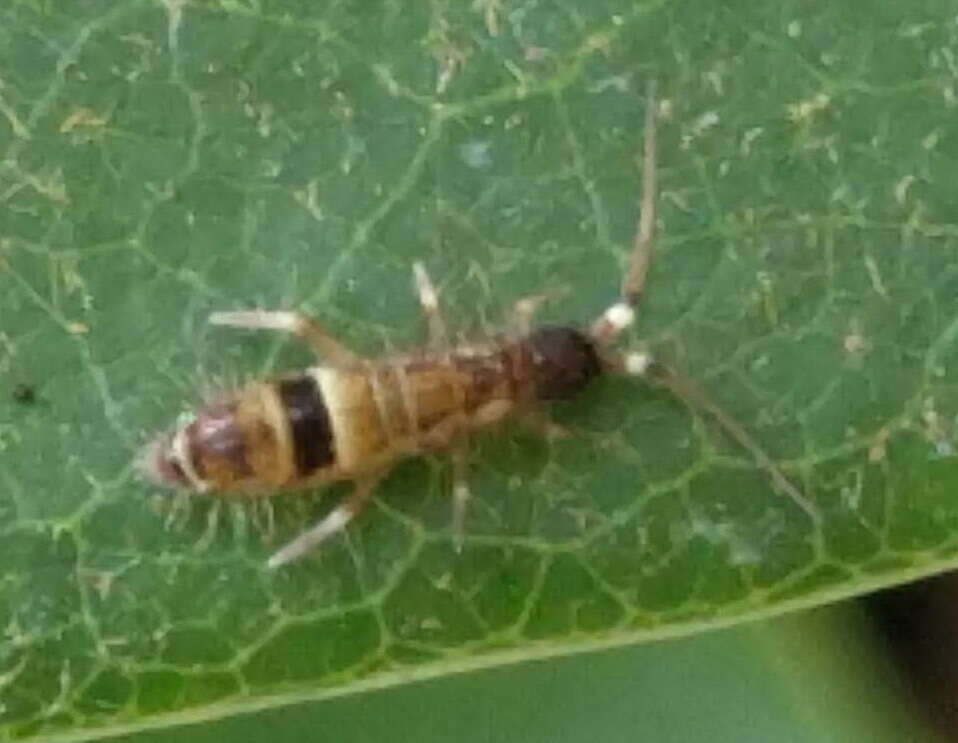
460,490
538,421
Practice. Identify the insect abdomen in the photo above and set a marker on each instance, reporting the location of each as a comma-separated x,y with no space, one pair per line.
310,429
333,423
275,434
402,406
267,436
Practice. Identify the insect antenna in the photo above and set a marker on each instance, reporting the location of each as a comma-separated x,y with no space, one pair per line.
695,398
621,315
633,282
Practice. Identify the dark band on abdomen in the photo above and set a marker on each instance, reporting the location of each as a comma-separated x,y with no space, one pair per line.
309,424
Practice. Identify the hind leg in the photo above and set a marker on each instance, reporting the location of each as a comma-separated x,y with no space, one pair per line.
296,323
335,522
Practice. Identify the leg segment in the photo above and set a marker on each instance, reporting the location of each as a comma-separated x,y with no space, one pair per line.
429,299
539,421
524,310
460,491
297,323
335,522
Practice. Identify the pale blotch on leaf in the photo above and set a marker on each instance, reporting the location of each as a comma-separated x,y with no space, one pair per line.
476,153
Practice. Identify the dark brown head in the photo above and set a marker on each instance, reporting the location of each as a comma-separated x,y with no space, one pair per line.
564,361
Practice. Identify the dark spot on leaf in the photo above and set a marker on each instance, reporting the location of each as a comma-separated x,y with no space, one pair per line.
25,394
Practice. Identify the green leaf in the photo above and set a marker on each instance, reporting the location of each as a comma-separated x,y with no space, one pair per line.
163,160
810,677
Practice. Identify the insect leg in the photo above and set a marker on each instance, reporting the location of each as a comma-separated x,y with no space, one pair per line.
524,310
621,315
539,421
334,522
429,299
292,322
460,490
643,365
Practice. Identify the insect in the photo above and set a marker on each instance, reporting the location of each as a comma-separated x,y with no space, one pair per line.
351,418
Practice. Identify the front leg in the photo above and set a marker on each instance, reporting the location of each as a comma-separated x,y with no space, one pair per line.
524,310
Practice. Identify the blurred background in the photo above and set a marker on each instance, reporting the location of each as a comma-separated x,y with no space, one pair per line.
915,626
881,668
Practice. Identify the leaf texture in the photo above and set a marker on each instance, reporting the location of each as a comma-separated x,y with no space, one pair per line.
162,160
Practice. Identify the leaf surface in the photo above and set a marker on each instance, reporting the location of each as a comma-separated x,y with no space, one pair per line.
164,160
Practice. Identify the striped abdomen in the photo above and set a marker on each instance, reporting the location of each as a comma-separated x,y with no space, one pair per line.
330,423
